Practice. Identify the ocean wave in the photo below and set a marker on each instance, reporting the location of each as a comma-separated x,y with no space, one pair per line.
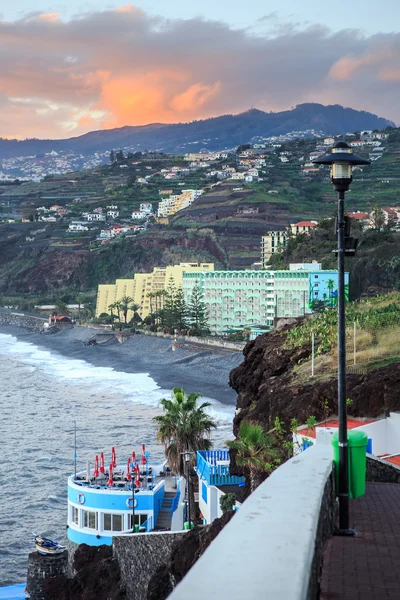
138,388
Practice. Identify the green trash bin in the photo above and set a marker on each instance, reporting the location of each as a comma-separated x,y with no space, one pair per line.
357,441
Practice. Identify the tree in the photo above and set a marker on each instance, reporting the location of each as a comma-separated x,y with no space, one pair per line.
126,305
115,306
184,426
180,310
227,501
197,312
112,157
378,218
256,451
79,300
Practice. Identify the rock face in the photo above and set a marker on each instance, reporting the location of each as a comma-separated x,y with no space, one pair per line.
41,569
184,554
97,577
267,387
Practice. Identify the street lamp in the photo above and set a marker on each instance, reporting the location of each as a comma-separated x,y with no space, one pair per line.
342,161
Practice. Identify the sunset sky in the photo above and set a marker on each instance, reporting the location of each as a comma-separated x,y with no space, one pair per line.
68,68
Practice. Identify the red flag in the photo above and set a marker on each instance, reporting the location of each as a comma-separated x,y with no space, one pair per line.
102,463
143,448
113,457
110,477
128,469
144,459
134,458
96,467
137,482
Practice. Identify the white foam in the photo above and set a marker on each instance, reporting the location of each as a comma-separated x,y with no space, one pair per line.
138,388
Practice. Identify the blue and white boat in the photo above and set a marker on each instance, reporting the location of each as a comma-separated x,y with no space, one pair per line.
101,503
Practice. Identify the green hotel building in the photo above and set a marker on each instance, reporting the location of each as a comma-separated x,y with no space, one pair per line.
254,299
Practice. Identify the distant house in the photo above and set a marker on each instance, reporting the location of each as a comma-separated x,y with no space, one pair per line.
303,227
146,207
94,216
329,141
59,320
113,214
137,214
77,227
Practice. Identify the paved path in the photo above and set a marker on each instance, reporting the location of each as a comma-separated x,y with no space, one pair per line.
366,567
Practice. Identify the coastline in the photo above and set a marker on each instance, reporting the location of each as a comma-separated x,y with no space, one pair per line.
195,369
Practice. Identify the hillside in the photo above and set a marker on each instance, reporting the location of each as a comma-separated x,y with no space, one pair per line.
226,131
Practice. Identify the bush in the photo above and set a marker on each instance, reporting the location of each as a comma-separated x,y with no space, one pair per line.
227,502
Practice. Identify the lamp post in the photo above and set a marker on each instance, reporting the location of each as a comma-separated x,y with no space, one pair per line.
342,161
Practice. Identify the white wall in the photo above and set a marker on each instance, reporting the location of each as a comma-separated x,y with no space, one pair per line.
267,548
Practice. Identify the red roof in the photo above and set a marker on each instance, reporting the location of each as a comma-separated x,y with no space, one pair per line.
395,460
359,215
306,224
351,424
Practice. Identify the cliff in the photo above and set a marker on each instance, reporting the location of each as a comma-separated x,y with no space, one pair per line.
268,386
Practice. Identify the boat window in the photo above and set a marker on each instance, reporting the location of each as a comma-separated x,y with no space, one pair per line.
139,520
89,519
75,515
107,522
113,522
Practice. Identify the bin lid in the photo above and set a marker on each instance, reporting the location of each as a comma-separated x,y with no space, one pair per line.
355,438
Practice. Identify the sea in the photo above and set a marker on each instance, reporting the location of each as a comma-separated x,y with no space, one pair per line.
42,395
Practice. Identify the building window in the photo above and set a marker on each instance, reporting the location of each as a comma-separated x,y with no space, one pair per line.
90,519
75,515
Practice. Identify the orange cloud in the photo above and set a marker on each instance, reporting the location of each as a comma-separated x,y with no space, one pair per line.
61,77
195,97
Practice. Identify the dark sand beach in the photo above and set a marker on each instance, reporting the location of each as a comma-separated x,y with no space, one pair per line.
192,367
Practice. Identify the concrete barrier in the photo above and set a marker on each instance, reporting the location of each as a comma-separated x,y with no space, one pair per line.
272,547
215,342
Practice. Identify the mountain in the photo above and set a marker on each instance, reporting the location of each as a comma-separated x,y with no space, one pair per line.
217,133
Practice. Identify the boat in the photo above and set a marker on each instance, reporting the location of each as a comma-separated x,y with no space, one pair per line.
135,495
46,546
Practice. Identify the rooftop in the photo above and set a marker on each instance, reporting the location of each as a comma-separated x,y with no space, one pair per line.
334,424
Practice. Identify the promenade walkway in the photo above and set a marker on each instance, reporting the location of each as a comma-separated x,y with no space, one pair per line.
367,566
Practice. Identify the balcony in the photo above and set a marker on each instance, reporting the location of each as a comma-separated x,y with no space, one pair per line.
213,466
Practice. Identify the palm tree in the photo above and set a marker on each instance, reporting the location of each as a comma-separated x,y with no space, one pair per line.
256,450
115,306
330,284
184,426
126,305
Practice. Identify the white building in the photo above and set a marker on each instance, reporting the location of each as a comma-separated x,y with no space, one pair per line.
146,207
113,214
77,227
383,435
215,481
93,216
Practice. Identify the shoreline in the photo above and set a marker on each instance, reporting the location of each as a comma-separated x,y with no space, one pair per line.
195,369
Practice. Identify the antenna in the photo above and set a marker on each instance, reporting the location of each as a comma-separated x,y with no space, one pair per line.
75,455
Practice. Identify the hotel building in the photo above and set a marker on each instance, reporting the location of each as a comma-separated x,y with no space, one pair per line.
143,284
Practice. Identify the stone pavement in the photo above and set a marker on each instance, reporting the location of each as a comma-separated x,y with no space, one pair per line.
367,566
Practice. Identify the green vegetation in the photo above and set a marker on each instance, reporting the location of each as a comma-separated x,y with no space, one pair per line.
256,451
184,427
227,501
376,323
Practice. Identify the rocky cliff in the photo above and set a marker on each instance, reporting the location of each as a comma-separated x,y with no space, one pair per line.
268,386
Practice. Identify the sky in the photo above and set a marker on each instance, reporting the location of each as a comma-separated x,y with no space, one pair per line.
69,68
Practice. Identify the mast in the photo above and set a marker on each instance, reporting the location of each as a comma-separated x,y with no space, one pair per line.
75,455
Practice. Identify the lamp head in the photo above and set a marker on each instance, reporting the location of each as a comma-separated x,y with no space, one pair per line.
342,161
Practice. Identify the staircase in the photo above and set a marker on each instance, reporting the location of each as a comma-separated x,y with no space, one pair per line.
164,514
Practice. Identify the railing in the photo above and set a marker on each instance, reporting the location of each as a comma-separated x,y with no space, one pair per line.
272,547
175,501
214,473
